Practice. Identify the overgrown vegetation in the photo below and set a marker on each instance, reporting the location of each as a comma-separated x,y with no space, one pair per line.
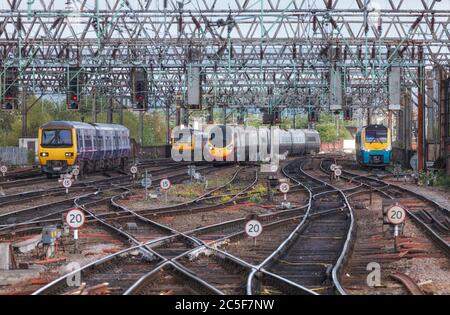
154,122
187,191
46,110
443,180
255,198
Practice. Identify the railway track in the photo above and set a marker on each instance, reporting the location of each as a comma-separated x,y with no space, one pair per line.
314,253
32,218
433,218
167,249
45,213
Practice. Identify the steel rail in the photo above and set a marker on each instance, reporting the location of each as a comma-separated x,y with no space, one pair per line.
438,239
285,242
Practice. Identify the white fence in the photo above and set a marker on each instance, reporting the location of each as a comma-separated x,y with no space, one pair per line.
13,156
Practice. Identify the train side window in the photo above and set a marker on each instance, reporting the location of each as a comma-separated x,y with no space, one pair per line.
88,141
83,145
79,140
108,142
116,142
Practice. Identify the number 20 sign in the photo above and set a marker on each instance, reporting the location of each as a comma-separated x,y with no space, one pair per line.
75,218
396,215
253,228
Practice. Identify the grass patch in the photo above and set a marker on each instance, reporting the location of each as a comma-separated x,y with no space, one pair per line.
255,198
224,199
189,191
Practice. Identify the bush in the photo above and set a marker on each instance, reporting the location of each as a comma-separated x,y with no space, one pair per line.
256,198
443,180
31,157
225,199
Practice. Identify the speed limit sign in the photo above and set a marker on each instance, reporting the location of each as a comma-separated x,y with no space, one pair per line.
75,218
253,228
67,182
284,188
3,169
76,172
165,184
396,215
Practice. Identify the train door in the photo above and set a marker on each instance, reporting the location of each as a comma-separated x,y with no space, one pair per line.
80,145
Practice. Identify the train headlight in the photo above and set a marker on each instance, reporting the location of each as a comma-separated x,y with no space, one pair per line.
68,154
44,154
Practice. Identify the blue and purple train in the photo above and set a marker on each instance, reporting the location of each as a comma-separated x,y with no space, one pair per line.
92,147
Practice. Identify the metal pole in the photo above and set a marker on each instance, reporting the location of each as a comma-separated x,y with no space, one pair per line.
146,186
420,112
94,105
24,113
121,114
168,123
109,117
141,128
75,237
211,114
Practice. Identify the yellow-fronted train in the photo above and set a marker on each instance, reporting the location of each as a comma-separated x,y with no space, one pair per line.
373,146
92,147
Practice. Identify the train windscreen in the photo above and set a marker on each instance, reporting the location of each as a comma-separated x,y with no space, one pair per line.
182,136
56,138
221,136
376,135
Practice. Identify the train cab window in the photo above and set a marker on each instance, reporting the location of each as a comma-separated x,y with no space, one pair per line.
376,135
56,138
311,138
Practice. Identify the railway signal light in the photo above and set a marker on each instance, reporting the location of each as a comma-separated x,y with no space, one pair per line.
348,113
139,88
73,95
8,104
72,103
312,116
9,90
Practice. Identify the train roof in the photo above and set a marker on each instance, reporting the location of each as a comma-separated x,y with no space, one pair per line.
82,125
376,126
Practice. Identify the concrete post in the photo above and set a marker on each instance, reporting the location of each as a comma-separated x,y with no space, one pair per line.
109,114
4,256
24,114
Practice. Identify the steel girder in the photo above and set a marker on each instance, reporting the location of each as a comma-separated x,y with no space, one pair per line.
261,53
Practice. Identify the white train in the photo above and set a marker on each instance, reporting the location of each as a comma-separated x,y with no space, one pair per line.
237,143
